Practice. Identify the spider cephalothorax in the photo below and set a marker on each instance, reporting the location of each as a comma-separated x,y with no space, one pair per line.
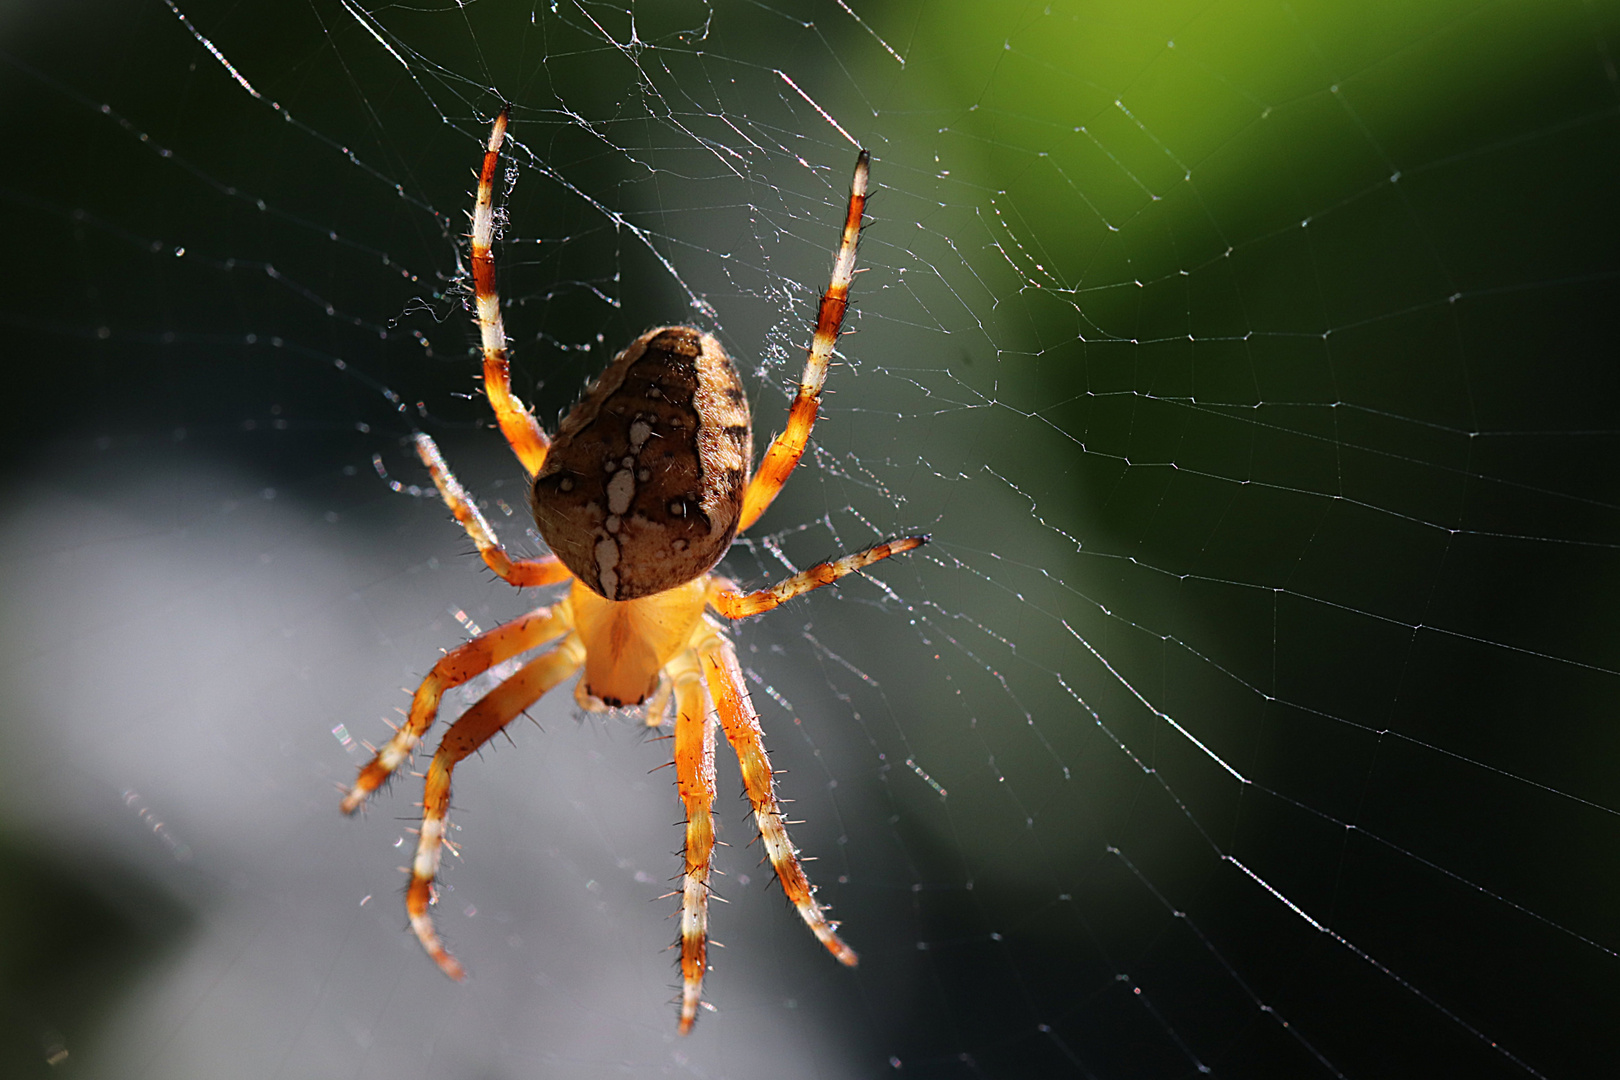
639,496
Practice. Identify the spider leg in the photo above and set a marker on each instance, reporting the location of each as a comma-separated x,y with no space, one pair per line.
477,726
741,724
694,779
517,423
521,572
457,666
784,453
735,605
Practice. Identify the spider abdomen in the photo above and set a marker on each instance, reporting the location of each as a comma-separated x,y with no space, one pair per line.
642,488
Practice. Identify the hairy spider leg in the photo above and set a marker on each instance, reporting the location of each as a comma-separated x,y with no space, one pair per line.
784,453
458,665
694,779
519,572
517,423
735,605
476,727
736,711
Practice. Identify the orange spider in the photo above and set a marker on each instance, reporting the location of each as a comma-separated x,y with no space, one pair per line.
642,492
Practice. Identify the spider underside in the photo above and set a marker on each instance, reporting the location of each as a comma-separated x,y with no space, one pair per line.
641,493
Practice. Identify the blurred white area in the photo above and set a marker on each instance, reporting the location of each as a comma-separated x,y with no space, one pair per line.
180,643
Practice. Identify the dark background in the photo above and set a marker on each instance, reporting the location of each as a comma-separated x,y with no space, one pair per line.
1251,365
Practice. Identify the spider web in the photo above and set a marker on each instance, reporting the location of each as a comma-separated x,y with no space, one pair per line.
1250,713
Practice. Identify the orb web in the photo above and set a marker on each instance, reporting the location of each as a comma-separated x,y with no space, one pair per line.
1246,715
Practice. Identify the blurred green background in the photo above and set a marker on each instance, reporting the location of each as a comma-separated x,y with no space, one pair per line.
1249,363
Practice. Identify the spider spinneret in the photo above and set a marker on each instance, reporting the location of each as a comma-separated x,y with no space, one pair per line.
641,493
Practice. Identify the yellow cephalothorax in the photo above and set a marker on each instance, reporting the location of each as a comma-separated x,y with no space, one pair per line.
628,642
639,497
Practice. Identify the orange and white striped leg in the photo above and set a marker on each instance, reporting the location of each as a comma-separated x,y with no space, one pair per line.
735,605
458,665
521,572
694,779
476,727
517,423
785,452
741,724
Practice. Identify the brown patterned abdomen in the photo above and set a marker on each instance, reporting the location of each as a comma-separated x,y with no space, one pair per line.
643,486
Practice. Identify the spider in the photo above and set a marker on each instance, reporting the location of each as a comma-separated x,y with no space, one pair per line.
641,493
